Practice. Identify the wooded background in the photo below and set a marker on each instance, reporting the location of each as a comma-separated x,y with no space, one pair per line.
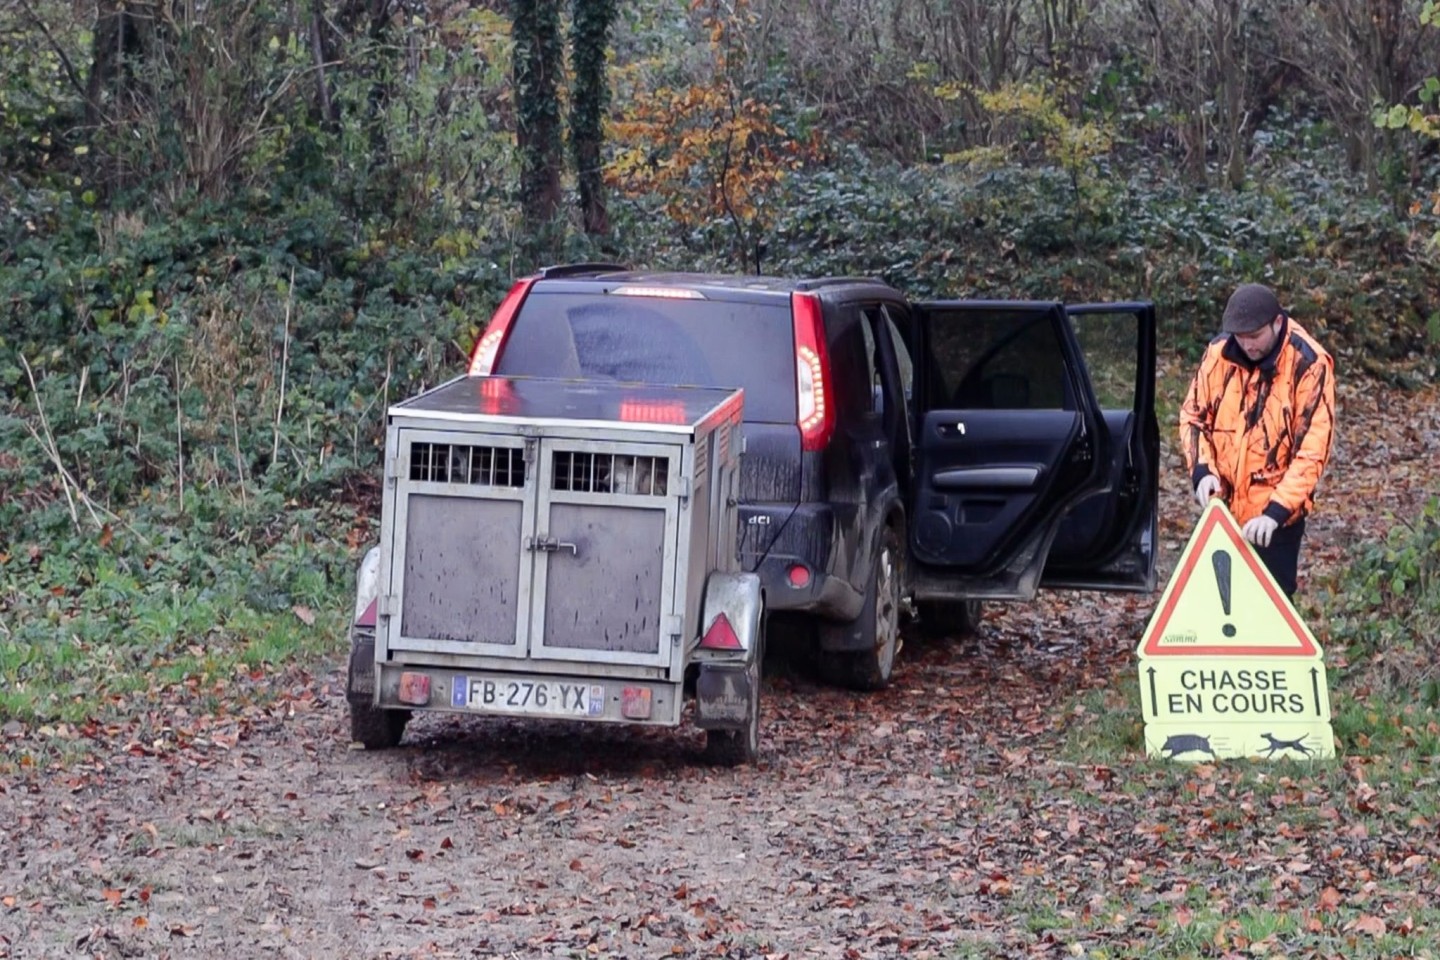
232,231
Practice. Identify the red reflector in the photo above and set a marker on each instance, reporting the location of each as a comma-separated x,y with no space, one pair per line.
721,636
799,576
414,689
367,619
635,703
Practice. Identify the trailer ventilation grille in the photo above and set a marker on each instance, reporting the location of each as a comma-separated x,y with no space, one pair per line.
462,463
702,462
611,473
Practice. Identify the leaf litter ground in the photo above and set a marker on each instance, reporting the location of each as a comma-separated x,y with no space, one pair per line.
950,816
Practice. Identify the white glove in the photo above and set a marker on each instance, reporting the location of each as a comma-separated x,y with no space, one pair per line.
1260,530
1209,486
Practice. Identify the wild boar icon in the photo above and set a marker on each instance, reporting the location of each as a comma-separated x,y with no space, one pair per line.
1179,743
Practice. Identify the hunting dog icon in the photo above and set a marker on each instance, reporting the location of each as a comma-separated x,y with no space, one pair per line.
1298,745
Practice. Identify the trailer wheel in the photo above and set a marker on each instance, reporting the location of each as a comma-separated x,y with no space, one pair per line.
377,729
730,748
871,666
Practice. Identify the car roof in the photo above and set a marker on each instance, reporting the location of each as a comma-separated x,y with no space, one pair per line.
704,282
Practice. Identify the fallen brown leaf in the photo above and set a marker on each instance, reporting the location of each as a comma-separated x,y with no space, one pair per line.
1368,923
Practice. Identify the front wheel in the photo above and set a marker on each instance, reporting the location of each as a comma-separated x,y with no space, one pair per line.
870,666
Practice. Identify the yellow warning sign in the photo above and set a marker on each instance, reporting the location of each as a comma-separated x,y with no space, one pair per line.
1227,668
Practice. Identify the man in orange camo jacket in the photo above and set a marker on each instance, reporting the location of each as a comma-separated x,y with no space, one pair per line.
1257,424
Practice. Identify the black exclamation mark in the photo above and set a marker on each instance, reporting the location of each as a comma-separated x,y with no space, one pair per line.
1221,560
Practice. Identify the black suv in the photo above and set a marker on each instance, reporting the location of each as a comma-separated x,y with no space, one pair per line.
900,456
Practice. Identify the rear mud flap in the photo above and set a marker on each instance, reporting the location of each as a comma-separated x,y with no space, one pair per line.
360,684
723,696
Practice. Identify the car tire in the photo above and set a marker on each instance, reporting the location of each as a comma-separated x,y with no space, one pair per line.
871,666
948,619
377,729
731,748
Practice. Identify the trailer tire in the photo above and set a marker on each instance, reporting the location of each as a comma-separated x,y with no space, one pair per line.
377,729
871,666
731,748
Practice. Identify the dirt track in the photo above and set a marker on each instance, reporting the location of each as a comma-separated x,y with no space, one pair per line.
895,824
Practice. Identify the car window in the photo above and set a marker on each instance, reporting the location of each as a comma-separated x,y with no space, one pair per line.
902,354
877,396
1109,343
710,343
1000,360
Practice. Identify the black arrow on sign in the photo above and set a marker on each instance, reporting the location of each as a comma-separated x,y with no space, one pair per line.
1154,707
1315,686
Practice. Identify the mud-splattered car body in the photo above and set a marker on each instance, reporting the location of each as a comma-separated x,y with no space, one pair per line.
900,456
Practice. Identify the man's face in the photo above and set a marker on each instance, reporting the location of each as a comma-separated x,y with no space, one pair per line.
1257,343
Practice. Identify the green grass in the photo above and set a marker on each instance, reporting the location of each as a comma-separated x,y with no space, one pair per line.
1115,932
60,678
106,633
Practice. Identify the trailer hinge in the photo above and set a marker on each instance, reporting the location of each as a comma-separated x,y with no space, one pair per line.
531,445
392,469
685,488
384,604
675,628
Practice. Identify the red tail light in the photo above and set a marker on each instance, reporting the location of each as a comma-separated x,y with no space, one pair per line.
814,402
487,350
497,396
721,636
640,411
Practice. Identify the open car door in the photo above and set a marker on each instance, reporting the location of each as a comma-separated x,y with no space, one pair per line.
1010,438
1107,540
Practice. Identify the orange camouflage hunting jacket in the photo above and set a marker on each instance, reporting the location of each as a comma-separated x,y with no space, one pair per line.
1264,428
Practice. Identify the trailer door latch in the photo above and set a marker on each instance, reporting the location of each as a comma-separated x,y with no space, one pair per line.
548,544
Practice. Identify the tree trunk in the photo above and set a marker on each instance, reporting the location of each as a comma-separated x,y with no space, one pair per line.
538,53
1233,72
323,49
590,34
121,33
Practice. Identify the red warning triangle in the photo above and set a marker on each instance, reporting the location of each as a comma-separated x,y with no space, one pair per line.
1222,601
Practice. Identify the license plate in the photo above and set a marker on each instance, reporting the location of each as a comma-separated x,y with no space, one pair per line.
531,697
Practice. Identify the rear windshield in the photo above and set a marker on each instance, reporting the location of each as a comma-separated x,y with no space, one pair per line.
707,343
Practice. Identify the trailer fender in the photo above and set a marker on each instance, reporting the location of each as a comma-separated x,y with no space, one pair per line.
367,588
727,688
360,677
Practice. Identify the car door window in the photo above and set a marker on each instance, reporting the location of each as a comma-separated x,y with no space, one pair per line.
890,327
1109,342
902,354
1001,360
877,391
